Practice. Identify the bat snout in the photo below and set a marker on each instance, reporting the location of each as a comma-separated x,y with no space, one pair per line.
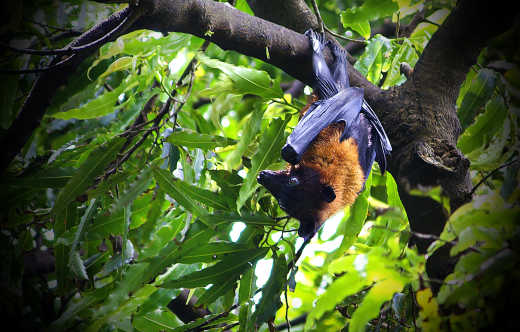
270,180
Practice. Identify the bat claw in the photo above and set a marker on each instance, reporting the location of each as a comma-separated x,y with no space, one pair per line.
290,155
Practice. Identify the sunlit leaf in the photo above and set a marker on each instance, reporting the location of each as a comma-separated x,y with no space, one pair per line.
406,53
246,80
210,252
100,106
371,304
358,18
192,139
250,129
348,284
156,321
122,63
356,216
370,64
268,151
270,301
232,265
480,90
486,125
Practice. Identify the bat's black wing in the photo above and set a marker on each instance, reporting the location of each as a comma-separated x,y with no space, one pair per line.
342,107
324,84
379,139
338,103
339,66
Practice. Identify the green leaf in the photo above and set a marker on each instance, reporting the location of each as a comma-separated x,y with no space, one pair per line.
249,131
247,285
219,218
486,125
173,251
63,222
230,266
358,18
55,177
156,321
211,252
133,192
76,265
246,80
170,185
218,289
355,218
206,197
100,106
268,151
95,164
270,301
246,317
424,31
496,153
480,90
74,308
346,285
406,53
192,139
370,63
369,308
122,63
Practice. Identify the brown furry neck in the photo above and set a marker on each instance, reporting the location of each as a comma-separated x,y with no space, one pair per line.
338,165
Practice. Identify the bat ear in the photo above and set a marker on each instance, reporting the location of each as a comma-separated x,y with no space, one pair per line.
328,193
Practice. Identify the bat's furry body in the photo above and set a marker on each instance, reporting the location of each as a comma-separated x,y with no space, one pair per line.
331,150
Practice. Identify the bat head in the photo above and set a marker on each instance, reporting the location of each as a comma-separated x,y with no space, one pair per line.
300,193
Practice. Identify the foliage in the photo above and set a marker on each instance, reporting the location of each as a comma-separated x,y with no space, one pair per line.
132,204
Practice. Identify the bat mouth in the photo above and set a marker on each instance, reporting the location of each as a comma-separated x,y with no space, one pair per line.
290,155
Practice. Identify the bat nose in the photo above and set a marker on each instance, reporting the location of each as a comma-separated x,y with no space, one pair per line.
289,154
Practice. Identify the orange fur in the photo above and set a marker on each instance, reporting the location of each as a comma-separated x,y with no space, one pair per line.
338,165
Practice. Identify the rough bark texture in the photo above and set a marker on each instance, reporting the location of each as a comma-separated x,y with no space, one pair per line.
419,116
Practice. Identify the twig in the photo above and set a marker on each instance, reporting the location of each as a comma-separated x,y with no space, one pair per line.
296,321
37,70
426,236
125,23
299,253
43,25
491,174
318,16
361,41
431,22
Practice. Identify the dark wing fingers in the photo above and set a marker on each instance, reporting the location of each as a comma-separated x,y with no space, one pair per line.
379,137
339,66
324,85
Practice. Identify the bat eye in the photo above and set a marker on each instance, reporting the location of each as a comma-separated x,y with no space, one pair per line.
293,181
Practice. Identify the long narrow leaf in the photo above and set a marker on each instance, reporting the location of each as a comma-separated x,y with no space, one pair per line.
96,162
268,151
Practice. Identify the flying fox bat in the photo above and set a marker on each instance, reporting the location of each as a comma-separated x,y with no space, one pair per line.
331,150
